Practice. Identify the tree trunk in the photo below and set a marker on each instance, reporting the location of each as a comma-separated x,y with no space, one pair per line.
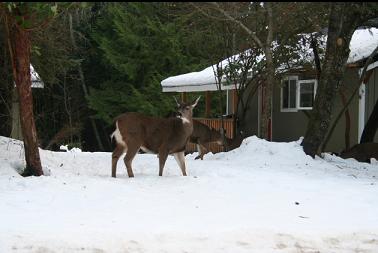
266,116
342,24
16,132
371,126
266,126
347,121
20,46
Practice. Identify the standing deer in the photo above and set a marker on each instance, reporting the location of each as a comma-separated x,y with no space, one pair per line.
162,136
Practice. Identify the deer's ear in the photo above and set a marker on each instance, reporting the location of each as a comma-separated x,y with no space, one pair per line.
195,102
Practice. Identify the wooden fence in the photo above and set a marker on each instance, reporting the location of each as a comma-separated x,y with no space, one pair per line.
216,124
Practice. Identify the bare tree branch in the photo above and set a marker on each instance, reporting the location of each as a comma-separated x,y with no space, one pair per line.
316,56
207,14
245,28
269,38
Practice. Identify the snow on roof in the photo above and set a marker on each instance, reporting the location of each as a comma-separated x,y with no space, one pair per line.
195,81
204,80
363,43
35,79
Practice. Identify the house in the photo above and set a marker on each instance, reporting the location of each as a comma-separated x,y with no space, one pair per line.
294,96
37,83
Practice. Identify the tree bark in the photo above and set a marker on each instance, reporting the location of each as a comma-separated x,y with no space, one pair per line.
342,24
16,132
20,55
347,121
266,121
371,126
266,115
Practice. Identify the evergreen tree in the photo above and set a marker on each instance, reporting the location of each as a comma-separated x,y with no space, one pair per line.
140,45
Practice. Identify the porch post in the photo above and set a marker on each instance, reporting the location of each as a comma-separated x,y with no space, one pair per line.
234,101
208,104
183,97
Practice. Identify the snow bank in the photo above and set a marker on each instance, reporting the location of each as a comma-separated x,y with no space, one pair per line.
262,197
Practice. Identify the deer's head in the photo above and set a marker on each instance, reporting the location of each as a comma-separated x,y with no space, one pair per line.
185,110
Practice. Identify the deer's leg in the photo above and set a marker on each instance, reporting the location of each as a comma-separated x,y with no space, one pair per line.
131,152
204,150
117,152
199,152
180,159
163,154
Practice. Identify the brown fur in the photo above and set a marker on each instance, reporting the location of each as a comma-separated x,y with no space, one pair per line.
162,136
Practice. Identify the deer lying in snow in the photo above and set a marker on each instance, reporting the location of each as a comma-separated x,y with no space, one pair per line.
362,152
162,136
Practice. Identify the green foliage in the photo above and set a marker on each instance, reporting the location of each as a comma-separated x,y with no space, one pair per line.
31,14
140,46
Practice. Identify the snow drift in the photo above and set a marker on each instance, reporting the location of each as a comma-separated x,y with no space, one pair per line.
261,197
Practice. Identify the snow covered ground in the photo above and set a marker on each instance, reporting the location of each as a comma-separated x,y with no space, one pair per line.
262,197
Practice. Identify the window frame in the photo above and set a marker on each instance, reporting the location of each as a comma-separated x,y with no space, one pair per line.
299,82
297,92
288,78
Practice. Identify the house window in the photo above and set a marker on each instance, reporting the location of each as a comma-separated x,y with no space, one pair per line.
289,94
297,94
306,94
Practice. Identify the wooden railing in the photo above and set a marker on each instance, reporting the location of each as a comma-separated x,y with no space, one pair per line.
216,124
